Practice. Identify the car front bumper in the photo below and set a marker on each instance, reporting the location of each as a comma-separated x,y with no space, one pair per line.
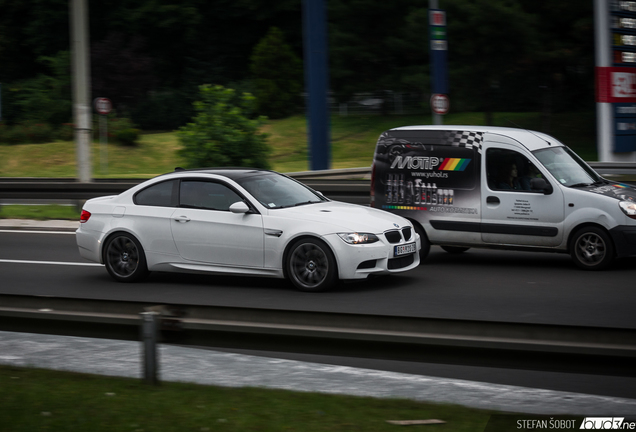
361,261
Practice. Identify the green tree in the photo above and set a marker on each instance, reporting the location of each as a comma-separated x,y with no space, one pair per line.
490,41
47,97
222,133
276,76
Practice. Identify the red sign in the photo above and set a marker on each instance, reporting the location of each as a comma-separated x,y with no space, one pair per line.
103,105
615,84
438,18
440,104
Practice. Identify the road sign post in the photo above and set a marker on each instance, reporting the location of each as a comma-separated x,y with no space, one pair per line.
103,106
440,104
439,56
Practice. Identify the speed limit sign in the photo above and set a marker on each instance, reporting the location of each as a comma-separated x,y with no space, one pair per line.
103,105
440,103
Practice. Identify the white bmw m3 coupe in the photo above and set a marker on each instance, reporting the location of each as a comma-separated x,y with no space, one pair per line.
243,222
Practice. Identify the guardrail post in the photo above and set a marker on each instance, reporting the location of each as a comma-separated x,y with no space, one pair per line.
149,330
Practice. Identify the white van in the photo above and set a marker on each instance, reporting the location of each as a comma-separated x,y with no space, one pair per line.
471,186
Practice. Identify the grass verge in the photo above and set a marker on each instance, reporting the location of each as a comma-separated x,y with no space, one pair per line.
353,144
36,399
39,212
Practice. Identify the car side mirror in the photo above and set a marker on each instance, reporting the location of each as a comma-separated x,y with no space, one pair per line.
239,207
541,185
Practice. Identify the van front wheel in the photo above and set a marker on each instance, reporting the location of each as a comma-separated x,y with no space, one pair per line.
592,248
454,249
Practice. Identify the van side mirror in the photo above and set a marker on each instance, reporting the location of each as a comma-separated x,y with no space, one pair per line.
541,185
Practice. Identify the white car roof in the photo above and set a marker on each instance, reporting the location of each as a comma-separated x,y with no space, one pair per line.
531,139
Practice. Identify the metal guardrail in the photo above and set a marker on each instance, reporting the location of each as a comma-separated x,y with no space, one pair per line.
493,344
349,185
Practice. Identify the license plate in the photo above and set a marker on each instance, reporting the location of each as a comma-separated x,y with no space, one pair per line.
404,249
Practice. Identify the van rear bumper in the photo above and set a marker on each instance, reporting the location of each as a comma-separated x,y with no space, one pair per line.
624,237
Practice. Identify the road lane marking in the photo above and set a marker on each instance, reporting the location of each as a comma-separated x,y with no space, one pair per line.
22,231
50,263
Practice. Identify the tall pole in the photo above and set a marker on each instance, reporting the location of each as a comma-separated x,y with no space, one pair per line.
316,82
81,87
604,117
437,118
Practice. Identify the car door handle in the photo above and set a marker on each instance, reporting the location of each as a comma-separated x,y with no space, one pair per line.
182,219
492,200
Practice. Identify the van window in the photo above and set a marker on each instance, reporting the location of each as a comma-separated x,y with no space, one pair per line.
509,170
567,167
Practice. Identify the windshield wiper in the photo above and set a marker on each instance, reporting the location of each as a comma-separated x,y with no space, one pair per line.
306,202
596,183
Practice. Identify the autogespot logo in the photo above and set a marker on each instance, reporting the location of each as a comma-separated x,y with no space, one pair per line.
607,423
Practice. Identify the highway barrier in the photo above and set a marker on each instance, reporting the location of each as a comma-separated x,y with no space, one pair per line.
596,350
349,185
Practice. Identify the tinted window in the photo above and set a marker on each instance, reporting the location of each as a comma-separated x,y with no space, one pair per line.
207,195
509,170
160,194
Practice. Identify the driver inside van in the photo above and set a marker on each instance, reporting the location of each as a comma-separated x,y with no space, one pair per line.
509,178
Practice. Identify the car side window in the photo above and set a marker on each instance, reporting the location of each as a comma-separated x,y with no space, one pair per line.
207,195
509,170
159,195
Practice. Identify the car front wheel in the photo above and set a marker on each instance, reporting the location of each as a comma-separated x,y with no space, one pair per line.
592,248
124,258
311,266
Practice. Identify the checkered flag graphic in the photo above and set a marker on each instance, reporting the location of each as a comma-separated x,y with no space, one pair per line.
466,139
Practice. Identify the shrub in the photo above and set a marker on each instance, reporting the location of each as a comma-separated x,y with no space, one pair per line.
120,130
26,133
222,134
65,132
127,137
38,132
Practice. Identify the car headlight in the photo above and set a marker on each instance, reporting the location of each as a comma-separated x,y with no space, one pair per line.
629,208
359,238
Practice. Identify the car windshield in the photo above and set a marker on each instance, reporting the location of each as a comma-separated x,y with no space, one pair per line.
275,191
567,167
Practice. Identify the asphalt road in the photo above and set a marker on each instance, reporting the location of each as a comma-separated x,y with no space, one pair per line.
479,284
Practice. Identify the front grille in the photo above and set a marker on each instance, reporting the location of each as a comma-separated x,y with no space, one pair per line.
401,262
406,232
393,236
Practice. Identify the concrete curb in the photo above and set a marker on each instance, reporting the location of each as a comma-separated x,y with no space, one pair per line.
34,225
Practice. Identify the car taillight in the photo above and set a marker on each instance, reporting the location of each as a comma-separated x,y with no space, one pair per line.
85,216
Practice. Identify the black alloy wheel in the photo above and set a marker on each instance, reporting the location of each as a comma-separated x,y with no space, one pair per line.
311,266
124,258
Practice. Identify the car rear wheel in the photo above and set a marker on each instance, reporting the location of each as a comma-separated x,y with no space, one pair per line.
124,258
311,266
592,248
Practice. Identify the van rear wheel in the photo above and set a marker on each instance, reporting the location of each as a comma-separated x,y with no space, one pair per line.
592,248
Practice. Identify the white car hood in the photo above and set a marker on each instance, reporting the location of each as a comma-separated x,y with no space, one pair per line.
344,216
